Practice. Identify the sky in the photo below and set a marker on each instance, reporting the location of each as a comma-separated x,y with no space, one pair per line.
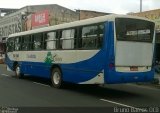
108,6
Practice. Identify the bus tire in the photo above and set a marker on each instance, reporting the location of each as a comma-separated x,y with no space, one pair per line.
56,78
18,71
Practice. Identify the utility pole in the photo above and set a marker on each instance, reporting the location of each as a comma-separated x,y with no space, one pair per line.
140,5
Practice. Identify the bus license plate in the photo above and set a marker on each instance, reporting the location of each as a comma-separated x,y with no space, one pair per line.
133,68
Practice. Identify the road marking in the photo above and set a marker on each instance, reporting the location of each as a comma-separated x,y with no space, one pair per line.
41,84
5,75
138,109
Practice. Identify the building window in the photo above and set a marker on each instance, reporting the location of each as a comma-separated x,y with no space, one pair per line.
51,40
67,40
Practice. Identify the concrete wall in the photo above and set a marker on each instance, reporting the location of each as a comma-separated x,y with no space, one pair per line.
57,14
84,14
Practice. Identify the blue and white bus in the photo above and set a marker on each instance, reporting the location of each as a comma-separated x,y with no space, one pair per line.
110,49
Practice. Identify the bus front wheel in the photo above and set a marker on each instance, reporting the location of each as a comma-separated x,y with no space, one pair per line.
56,78
18,72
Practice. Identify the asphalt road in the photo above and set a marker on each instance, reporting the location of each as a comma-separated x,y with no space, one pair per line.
36,92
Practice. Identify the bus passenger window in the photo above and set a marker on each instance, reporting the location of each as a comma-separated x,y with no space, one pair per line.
25,42
17,44
67,39
100,36
89,37
51,40
92,36
10,45
38,41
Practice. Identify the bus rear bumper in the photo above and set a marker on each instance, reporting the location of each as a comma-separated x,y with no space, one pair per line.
121,77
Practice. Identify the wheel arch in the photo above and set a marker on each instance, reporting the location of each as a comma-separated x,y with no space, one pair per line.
56,66
60,84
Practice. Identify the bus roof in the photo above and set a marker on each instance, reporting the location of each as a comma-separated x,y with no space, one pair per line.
77,23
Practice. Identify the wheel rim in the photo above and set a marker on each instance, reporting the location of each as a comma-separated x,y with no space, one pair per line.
17,71
56,78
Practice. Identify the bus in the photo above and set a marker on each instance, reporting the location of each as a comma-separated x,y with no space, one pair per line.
110,49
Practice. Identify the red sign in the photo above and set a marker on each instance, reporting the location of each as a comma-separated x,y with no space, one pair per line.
40,18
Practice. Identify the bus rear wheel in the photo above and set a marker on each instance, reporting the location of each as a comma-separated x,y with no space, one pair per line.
18,72
56,78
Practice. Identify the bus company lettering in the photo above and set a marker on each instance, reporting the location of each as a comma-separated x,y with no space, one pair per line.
31,56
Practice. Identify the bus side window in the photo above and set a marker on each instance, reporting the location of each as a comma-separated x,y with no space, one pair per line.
30,42
100,35
51,40
89,37
79,37
59,39
17,42
10,44
38,41
25,40
67,39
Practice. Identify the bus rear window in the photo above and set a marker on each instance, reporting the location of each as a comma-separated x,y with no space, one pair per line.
128,29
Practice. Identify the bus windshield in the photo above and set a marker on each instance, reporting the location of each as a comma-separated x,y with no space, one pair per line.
128,29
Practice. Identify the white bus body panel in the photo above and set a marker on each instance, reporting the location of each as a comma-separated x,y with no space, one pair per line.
59,56
138,54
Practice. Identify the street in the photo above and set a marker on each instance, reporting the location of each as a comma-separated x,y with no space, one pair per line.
36,92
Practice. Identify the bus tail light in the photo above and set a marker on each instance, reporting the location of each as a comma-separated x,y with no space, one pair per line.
111,65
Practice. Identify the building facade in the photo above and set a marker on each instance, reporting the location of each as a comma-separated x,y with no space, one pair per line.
84,14
21,20
36,16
